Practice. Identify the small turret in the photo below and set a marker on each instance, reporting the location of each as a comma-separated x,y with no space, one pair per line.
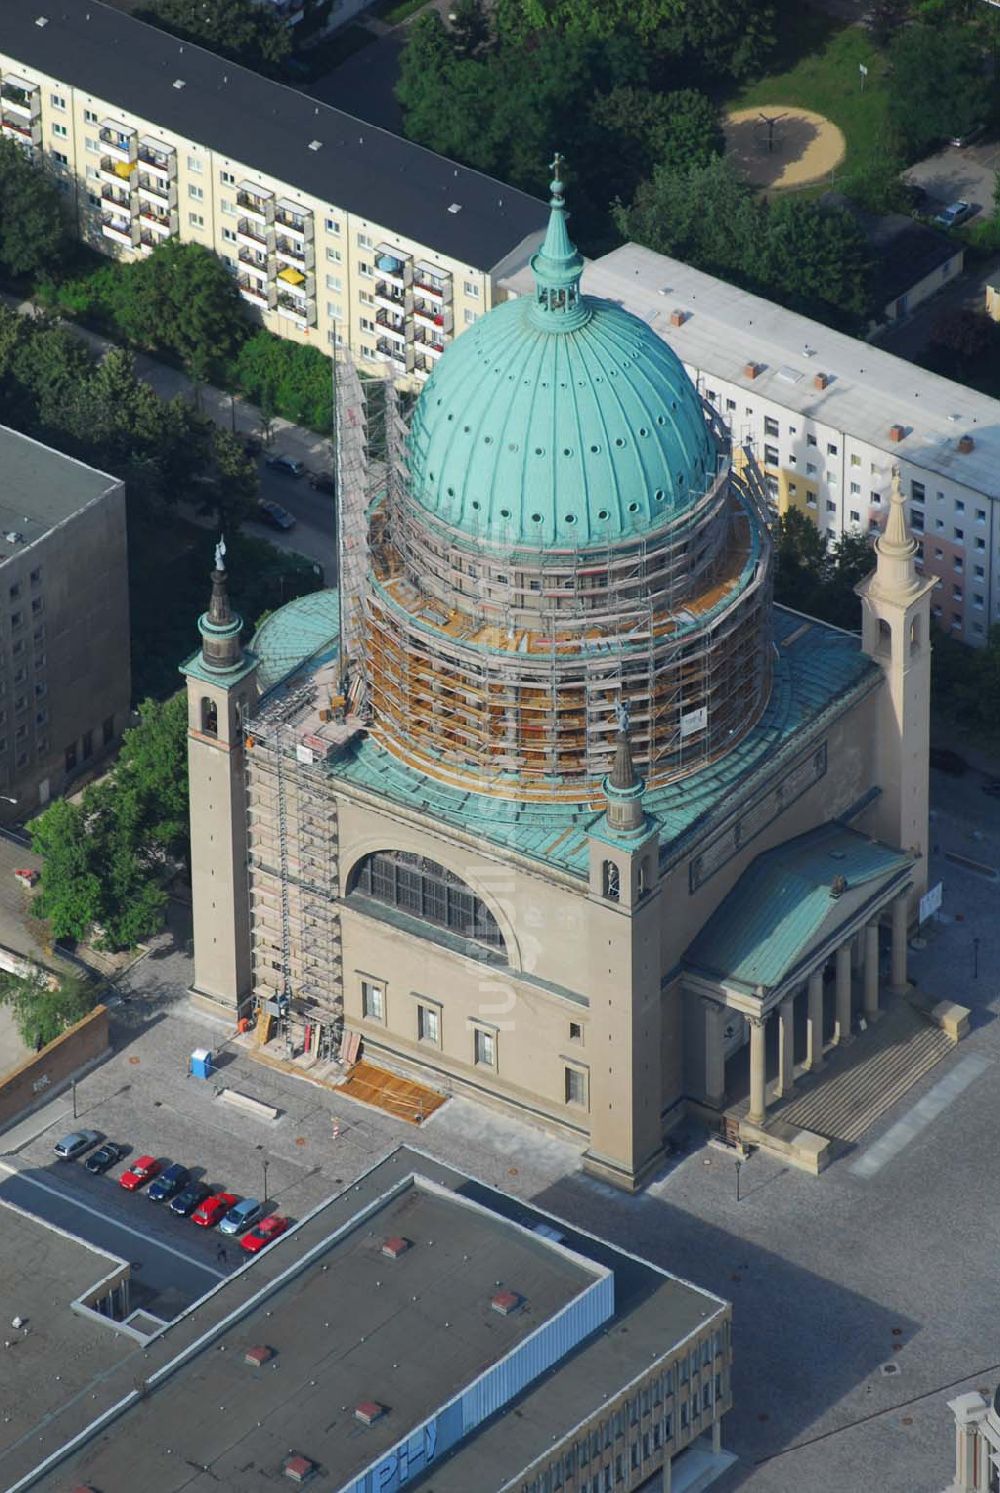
220,626
896,575
623,788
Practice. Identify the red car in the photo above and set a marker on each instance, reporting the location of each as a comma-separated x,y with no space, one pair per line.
266,1231
139,1172
214,1208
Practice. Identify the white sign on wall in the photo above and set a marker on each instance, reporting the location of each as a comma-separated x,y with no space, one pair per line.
930,902
695,720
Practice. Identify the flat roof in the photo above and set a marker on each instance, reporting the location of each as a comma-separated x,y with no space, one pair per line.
868,390
58,1353
41,488
269,127
347,1324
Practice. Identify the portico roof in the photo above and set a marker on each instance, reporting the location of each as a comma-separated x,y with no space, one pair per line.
791,903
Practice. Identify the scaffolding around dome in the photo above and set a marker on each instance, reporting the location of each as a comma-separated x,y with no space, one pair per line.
501,668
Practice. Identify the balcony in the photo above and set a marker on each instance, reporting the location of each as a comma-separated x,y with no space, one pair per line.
161,225
390,296
159,191
432,283
26,132
392,266
119,143
257,295
295,282
20,100
116,173
301,312
256,203
391,352
298,254
147,242
391,326
253,235
429,345
257,265
293,222
158,160
117,199
118,229
432,315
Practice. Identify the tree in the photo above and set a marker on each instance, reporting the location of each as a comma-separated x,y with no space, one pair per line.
706,216
815,577
964,336
32,230
470,26
518,19
288,379
236,481
43,1007
732,36
241,29
936,84
152,765
70,898
818,254
644,130
182,299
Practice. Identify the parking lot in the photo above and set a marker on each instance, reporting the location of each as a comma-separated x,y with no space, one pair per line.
953,175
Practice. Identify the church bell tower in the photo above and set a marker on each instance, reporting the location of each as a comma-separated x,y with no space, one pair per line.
222,692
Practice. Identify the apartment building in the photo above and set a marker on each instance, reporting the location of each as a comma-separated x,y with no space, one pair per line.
65,679
829,417
336,231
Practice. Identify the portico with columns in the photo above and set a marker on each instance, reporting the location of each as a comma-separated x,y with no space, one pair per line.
787,931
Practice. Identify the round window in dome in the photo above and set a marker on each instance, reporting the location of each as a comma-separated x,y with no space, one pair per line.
602,513
633,508
570,518
659,495
567,451
451,492
505,513
475,504
595,449
619,441
643,430
536,518
539,450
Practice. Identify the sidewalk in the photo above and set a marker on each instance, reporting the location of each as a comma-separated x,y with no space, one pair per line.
222,408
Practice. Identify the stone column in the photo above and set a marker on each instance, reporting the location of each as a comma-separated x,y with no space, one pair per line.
872,1012
715,1058
900,931
814,1023
844,994
716,1435
786,1047
758,1072
667,1471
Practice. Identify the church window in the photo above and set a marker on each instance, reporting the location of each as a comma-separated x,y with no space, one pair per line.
485,1047
209,717
422,889
915,635
884,636
611,881
576,1086
372,1001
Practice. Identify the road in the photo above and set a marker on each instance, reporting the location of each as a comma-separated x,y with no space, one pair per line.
173,1262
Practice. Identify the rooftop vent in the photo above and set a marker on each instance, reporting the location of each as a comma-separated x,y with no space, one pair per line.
14,537
315,145
750,370
965,444
179,83
820,381
369,1411
456,207
257,1357
897,432
506,1302
41,20
299,1468
396,1246
678,318
838,886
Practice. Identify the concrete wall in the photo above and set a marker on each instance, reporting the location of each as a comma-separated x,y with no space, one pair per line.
43,1075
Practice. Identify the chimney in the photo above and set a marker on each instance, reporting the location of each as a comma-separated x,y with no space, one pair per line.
897,432
257,1357
395,1247
506,1302
678,318
751,370
369,1411
965,444
820,381
299,1468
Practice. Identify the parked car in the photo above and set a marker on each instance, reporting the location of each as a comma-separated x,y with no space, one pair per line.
290,465
185,1202
76,1143
273,514
323,482
953,214
139,1173
216,1206
241,1216
104,1157
969,138
263,1234
169,1182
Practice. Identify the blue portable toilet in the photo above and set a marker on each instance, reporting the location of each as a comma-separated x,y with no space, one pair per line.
201,1063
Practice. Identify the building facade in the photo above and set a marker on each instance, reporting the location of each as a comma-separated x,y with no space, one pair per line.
65,663
336,231
977,1443
829,418
526,797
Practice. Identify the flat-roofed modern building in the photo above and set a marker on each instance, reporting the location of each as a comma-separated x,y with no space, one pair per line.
333,228
829,418
422,1331
65,658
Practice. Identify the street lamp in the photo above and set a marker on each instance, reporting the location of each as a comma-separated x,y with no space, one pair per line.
975,958
265,1164
739,1163
7,798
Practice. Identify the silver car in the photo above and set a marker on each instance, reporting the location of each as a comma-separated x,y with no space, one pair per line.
241,1217
76,1143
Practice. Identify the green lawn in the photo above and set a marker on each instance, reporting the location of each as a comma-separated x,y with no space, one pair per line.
820,72
393,12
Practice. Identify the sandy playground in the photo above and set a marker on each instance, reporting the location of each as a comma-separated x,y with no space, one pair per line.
807,147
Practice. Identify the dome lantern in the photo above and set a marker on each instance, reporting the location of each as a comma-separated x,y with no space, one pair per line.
557,268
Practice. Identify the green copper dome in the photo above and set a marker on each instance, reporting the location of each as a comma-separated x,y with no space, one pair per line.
561,420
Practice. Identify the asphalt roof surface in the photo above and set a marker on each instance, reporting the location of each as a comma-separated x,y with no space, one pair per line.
268,127
40,488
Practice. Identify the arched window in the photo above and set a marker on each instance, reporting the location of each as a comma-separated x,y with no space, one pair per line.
612,881
425,890
884,636
209,717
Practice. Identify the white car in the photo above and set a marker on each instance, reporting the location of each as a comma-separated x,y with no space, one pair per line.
953,214
76,1143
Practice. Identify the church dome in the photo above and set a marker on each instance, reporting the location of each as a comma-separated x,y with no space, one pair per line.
559,421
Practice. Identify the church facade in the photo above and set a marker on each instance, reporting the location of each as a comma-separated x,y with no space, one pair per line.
550,805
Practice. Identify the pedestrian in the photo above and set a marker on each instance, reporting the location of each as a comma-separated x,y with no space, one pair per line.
220,1254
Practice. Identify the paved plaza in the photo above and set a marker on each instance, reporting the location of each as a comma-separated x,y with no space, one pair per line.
863,1299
